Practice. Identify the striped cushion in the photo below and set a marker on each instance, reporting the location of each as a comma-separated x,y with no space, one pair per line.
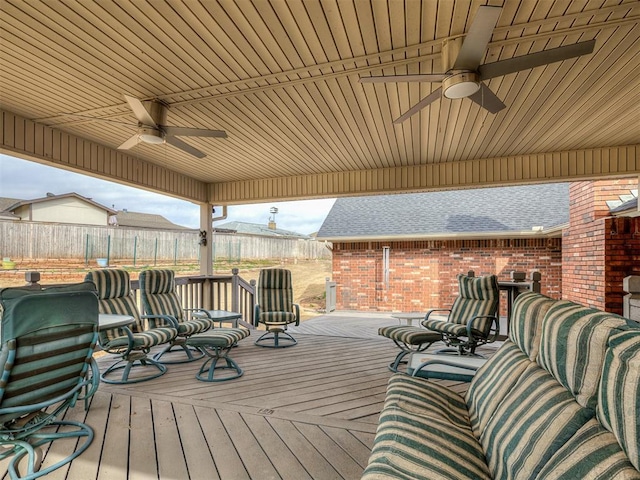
427,399
157,292
525,327
218,337
159,297
110,282
478,296
421,443
573,345
409,335
619,395
533,421
592,453
275,290
492,382
147,339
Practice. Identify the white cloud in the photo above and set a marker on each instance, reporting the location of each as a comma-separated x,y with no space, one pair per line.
28,180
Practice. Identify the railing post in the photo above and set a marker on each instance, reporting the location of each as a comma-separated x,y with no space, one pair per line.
235,290
33,279
631,301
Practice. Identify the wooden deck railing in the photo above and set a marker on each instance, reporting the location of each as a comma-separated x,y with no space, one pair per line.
215,292
212,292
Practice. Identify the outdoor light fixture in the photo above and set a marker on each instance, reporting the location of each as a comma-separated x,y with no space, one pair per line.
150,135
461,85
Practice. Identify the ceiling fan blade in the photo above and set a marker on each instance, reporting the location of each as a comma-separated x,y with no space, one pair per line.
140,112
475,43
487,99
432,97
422,77
194,132
130,143
176,142
512,65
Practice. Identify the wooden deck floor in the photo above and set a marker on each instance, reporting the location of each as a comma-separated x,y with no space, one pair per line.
308,411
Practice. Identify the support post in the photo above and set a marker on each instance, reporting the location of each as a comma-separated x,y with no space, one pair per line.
206,239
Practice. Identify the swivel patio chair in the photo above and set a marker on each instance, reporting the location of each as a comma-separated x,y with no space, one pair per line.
473,318
470,322
132,343
47,340
159,298
275,308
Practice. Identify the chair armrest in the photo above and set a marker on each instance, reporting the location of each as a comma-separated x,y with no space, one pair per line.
296,311
495,321
433,310
256,315
168,318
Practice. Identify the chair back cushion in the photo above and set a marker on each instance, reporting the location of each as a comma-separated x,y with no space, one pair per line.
619,393
47,339
477,296
275,290
573,345
525,326
158,293
115,297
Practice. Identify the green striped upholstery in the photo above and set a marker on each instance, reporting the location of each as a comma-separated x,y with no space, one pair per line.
478,296
532,422
409,335
592,453
52,333
218,337
619,394
416,441
159,297
525,328
573,344
275,296
115,297
492,382
426,398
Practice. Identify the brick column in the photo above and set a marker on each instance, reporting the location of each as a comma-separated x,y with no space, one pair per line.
597,251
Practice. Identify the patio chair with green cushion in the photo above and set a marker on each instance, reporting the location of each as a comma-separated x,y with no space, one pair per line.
131,343
159,298
472,320
275,308
47,340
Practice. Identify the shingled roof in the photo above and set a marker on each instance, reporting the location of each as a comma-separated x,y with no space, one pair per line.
257,229
146,220
486,212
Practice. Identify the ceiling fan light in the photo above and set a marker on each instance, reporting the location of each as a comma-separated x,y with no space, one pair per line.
150,135
461,85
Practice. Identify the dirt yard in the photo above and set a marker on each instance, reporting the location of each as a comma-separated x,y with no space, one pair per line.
308,276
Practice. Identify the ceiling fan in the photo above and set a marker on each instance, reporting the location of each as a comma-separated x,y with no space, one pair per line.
465,75
152,127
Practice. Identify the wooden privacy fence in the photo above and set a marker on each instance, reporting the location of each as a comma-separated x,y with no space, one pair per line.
44,241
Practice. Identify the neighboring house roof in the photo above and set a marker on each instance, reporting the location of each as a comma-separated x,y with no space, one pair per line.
50,197
256,229
6,203
501,211
146,220
627,205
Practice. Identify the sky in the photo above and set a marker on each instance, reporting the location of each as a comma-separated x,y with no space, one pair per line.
26,180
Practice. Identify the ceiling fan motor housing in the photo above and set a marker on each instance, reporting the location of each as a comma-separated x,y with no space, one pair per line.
461,85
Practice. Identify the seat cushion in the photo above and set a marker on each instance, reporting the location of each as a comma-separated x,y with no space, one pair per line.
492,382
592,453
147,339
218,337
535,418
619,394
195,325
409,335
277,317
416,438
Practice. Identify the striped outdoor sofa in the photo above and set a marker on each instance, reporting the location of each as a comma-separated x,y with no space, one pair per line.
559,400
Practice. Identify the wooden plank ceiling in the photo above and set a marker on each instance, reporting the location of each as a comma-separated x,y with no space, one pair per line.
281,78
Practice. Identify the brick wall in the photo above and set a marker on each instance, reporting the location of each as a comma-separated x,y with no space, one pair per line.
598,251
422,274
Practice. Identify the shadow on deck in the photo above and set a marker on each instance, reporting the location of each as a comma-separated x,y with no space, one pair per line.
308,411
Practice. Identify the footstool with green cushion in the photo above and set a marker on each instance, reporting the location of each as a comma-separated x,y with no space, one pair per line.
216,344
409,340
